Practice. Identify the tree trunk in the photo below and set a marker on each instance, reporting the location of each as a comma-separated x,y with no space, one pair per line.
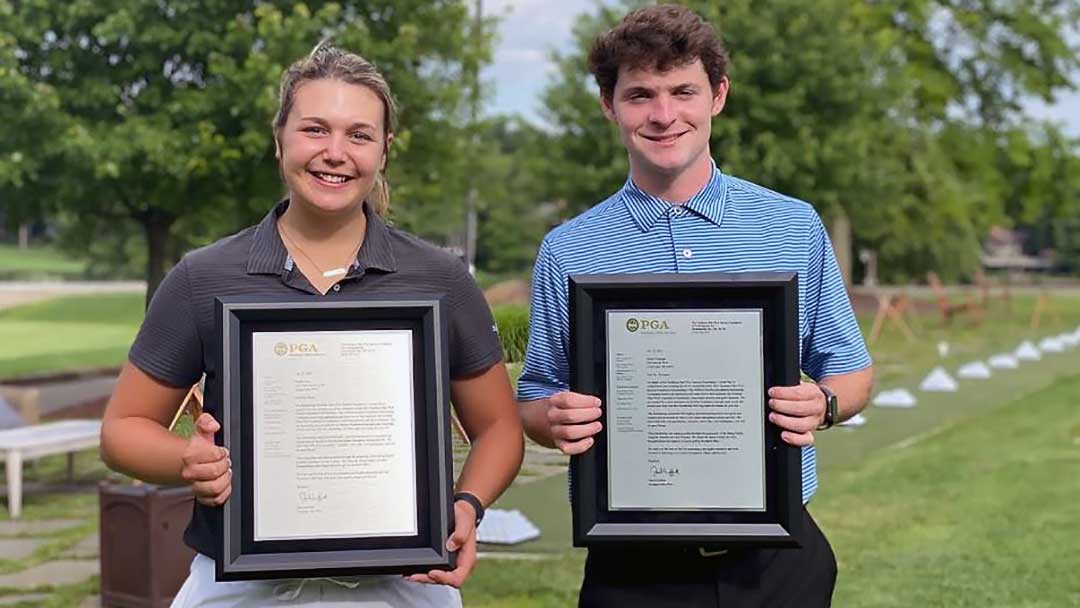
24,236
841,241
156,227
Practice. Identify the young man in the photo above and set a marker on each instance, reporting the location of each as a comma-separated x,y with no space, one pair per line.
662,79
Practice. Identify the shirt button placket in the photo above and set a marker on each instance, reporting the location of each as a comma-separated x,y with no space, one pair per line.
683,254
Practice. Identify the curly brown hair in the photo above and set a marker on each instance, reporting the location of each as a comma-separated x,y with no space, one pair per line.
658,37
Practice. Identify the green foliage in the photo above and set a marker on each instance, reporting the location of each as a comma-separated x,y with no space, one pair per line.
513,323
141,127
580,161
902,115
978,60
159,111
1066,235
513,216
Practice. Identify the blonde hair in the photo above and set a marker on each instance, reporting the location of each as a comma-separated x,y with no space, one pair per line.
327,61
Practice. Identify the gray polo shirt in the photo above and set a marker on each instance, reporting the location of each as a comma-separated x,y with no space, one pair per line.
174,344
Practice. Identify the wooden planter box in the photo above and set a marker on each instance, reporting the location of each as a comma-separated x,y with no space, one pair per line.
144,560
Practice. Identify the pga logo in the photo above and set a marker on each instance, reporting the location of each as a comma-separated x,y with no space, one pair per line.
633,325
281,349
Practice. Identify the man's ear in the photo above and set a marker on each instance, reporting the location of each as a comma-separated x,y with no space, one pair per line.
720,95
277,147
606,105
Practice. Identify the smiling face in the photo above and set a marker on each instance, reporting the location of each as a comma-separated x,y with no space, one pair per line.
332,145
664,120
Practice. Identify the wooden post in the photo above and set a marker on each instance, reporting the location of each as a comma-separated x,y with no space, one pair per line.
14,483
869,259
893,309
456,425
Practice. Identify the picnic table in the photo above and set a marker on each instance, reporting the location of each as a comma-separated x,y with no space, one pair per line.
37,440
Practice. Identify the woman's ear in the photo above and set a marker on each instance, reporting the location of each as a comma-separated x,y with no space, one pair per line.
386,150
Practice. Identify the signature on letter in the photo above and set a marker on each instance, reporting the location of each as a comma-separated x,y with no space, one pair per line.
664,471
311,496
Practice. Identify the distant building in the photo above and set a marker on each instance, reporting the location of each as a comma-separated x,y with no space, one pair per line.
1004,250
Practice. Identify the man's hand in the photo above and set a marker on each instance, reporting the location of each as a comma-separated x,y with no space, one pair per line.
463,540
573,421
207,467
798,410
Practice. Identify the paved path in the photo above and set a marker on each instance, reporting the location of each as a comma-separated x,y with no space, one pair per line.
25,576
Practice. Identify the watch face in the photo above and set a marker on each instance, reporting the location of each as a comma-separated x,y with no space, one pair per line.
832,407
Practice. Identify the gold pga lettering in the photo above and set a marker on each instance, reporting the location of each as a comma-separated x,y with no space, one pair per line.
633,325
281,348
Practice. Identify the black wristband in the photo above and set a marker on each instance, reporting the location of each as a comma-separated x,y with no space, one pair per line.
832,408
472,500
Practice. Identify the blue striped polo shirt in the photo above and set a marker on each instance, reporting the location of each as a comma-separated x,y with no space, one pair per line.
731,225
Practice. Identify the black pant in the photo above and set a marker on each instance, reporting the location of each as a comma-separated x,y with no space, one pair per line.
683,577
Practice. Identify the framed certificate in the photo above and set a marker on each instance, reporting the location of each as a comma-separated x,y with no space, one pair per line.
335,415
682,364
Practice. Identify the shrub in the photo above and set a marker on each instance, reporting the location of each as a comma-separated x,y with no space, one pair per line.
513,322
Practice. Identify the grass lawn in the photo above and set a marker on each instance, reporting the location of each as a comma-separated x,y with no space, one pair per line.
37,262
969,499
984,409
69,332
984,513
896,358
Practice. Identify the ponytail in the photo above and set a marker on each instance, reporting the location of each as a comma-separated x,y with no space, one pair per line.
379,197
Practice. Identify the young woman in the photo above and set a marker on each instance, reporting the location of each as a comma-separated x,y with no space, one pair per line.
332,132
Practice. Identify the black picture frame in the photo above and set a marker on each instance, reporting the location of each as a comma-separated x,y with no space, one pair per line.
243,558
776,295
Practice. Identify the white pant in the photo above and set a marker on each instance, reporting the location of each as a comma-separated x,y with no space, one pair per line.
391,591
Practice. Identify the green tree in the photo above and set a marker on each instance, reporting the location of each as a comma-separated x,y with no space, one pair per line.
30,126
892,112
977,59
801,115
166,106
582,161
959,72
514,214
1042,190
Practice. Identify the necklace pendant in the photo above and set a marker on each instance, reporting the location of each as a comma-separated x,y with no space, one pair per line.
334,272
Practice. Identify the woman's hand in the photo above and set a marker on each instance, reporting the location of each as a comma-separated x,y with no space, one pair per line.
207,467
463,540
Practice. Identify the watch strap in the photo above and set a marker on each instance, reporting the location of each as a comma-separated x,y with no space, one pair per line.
472,500
831,408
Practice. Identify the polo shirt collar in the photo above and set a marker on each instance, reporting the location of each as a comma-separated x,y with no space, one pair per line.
376,251
268,254
646,208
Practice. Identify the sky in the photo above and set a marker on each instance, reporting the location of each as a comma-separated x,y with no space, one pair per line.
531,29
528,32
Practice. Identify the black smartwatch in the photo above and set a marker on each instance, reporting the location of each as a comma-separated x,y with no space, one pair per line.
832,408
474,501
